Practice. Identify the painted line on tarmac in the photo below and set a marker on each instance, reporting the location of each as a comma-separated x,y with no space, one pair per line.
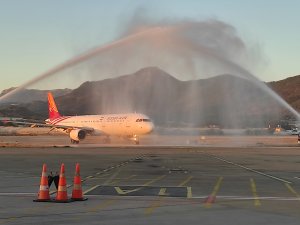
92,188
185,181
254,192
189,189
117,180
233,197
103,205
149,210
107,202
9,219
297,178
163,193
119,165
225,197
249,169
212,197
125,192
292,190
189,192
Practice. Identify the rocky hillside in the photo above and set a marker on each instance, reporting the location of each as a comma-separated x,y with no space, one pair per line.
31,95
222,100
289,90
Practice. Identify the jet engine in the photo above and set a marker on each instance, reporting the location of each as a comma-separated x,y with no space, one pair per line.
77,135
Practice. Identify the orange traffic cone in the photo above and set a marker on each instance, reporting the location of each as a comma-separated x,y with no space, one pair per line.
43,195
77,189
62,195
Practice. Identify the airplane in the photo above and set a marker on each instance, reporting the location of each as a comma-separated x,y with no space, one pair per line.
130,125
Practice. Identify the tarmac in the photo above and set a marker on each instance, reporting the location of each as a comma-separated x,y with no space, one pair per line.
253,180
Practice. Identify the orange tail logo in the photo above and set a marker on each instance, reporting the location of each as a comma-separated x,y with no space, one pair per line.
53,111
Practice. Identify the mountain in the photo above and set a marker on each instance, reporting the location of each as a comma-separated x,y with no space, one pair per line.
30,95
223,100
289,90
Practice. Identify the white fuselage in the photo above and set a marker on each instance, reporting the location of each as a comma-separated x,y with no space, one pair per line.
110,124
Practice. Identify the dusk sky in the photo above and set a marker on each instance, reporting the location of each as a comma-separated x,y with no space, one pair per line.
37,35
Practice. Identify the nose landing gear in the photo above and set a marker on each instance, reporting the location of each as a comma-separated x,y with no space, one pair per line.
74,141
136,139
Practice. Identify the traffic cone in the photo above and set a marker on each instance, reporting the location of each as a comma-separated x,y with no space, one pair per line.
77,189
62,195
43,195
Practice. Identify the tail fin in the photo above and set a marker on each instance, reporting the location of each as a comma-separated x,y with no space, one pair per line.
53,112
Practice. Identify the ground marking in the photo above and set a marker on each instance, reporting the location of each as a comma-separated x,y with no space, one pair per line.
271,198
117,180
10,219
92,188
252,170
103,205
189,192
254,191
124,192
163,192
108,202
213,195
292,190
185,181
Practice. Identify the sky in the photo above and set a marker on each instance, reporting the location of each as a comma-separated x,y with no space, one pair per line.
37,35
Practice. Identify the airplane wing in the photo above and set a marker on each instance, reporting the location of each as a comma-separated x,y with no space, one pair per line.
38,123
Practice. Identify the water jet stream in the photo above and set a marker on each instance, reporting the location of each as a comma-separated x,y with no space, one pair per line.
178,36
77,60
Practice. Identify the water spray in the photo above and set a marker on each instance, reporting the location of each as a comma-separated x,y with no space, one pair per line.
177,35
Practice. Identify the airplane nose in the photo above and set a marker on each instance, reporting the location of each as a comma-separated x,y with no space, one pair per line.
150,127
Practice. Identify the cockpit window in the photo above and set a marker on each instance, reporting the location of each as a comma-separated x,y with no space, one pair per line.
143,120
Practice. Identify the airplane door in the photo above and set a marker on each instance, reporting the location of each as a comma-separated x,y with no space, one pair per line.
128,125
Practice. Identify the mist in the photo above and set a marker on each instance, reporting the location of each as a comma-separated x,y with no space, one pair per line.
187,50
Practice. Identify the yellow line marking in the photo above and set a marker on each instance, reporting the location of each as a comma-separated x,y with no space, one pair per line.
124,192
120,179
92,188
292,190
189,192
114,182
153,206
154,180
111,178
121,192
104,175
103,205
107,202
185,181
254,192
10,219
162,192
215,191
112,201
217,186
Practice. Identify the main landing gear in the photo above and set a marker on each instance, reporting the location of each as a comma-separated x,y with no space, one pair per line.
106,140
74,141
136,139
